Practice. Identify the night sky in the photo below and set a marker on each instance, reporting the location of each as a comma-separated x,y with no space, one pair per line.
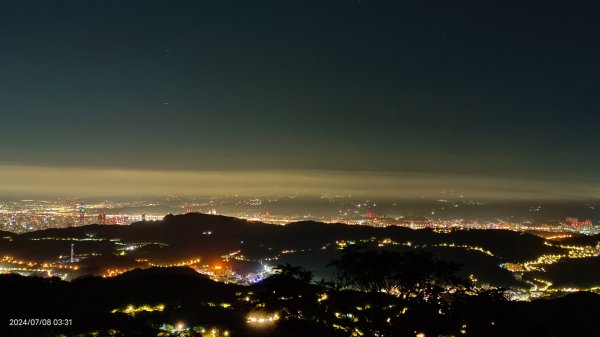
503,93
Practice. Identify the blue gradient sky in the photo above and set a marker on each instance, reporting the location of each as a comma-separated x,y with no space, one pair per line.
496,89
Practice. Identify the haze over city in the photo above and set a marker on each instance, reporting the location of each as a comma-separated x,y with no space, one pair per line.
29,181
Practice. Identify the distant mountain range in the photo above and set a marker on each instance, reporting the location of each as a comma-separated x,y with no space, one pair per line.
208,237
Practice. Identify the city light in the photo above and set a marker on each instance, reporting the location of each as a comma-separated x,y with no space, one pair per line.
259,318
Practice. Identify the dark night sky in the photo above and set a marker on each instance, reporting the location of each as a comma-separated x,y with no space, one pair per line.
496,89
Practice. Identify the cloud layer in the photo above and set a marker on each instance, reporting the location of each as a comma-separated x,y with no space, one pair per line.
88,182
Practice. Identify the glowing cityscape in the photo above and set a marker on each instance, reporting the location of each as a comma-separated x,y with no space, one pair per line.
399,168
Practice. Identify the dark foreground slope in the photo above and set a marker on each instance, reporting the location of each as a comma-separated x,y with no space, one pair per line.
100,306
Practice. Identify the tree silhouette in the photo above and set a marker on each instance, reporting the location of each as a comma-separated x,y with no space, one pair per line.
409,274
294,272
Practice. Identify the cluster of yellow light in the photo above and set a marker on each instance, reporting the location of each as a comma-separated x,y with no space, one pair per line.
214,332
11,260
245,297
386,242
237,255
573,290
343,244
349,316
559,236
475,248
133,310
323,297
33,266
60,266
262,319
580,252
67,239
365,307
544,285
353,330
573,252
178,264
180,327
514,267
136,245
222,305
357,333
536,265
283,252
115,272
17,269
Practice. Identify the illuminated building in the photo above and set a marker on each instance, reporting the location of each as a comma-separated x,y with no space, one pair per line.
576,224
81,213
